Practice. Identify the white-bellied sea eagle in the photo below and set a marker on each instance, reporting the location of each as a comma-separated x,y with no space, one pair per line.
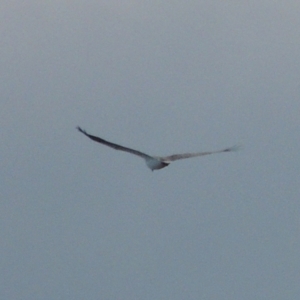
154,162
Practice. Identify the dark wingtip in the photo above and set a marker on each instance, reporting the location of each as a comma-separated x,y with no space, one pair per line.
81,130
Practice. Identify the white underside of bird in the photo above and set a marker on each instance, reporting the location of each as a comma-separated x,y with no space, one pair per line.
154,162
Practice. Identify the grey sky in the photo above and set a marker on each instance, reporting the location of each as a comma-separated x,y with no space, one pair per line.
81,221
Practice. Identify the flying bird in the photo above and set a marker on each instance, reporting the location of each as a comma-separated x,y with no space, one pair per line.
154,162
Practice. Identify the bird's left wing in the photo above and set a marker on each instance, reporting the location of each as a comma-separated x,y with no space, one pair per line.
114,146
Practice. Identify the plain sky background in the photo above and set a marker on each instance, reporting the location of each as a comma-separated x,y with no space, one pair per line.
81,221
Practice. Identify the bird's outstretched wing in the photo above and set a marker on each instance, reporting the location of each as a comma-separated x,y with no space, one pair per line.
114,146
189,155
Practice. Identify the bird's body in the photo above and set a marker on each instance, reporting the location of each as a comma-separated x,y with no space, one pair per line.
156,163
153,162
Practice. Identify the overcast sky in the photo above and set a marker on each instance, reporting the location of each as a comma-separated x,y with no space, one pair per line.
81,221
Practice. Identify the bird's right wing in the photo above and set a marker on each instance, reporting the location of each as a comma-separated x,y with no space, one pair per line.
114,146
189,155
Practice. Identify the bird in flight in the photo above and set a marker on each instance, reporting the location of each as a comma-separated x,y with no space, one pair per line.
154,162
